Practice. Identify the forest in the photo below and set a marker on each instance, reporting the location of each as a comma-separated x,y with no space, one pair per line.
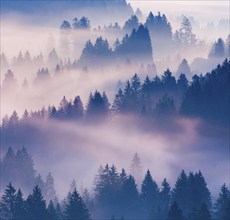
115,195
114,110
161,99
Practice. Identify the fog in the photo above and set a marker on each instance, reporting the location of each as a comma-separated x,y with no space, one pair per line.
76,150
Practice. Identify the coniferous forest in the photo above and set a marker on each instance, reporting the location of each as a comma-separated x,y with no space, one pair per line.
114,110
115,194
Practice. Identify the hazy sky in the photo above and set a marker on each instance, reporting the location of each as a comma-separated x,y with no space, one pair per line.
202,9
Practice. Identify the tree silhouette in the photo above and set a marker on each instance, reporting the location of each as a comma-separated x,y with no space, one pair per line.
49,188
19,206
36,205
184,68
175,213
7,203
218,49
186,35
222,205
149,195
180,193
51,211
136,169
164,199
131,23
97,107
76,208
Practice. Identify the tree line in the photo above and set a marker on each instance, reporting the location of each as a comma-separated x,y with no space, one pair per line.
157,99
116,196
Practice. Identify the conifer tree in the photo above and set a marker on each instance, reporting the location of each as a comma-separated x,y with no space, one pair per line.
175,213
76,208
149,195
51,211
36,205
136,169
222,205
50,192
7,203
20,206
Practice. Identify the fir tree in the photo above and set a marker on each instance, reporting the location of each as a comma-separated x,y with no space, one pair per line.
149,195
36,205
7,204
20,206
175,213
222,205
76,208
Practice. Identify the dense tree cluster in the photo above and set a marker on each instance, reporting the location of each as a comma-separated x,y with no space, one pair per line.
82,24
14,162
220,48
139,40
91,54
137,46
157,98
116,196
202,98
131,23
160,29
14,206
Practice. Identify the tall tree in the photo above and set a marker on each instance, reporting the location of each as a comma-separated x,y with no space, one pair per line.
118,102
136,169
175,213
50,192
180,192
184,68
149,195
9,82
76,208
218,49
78,109
25,162
20,206
204,213
164,199
7,203
186,35
36,205
97,107
51,212
222,205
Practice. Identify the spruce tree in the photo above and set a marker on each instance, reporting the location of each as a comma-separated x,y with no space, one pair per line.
51,211
175,213
222,205
20,206
36,205
149,195
7,203
76,208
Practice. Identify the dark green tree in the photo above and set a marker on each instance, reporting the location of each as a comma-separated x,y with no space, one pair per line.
97,107
20,206
175,213
203,213
222,205
76,208
149,195
36,205
118,102
51,212
180,193
7,203
164,200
